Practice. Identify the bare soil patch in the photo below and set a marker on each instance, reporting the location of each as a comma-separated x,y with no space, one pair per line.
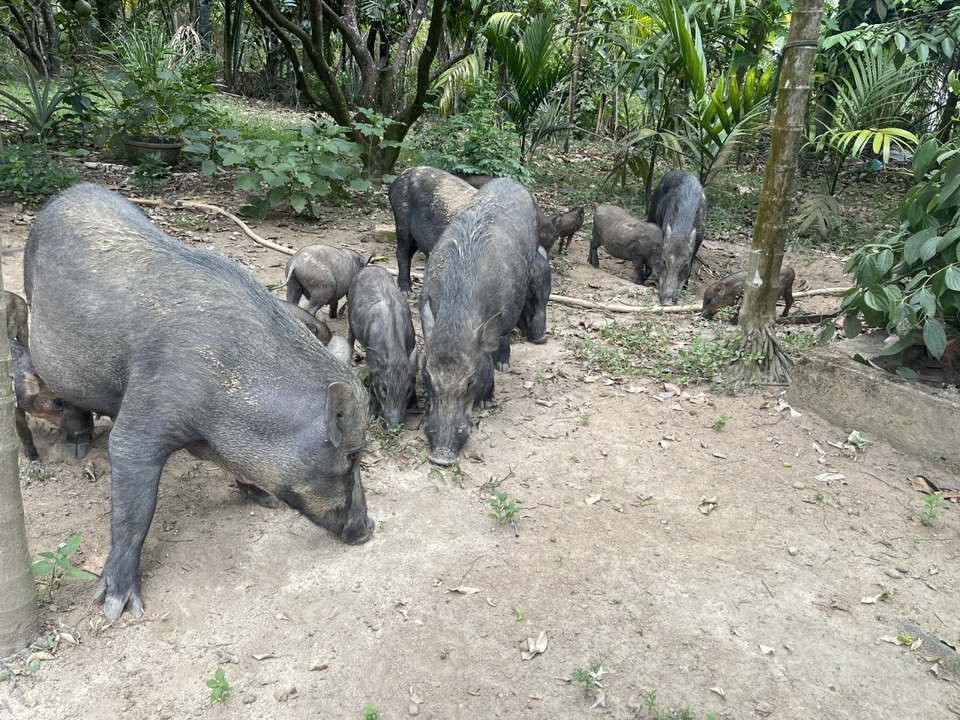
753,609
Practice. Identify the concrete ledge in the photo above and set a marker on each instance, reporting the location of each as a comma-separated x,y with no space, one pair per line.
912,417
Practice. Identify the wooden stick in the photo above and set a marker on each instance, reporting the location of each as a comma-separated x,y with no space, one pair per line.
560,299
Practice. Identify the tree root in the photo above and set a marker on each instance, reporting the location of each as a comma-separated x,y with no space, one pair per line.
760,359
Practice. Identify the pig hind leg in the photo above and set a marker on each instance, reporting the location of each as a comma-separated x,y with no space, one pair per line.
26,437
261,497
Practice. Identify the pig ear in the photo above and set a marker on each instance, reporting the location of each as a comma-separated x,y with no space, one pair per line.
373,358
426,319
488,334
341,412
31,384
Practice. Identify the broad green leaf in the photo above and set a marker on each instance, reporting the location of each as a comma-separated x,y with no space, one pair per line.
927,302
900,345
934,337
952,277
827,334
906,373
42,567
876,299
78,574
929,248
70,545
247,181
913,248
208,167
924,158
851,326
298,202
884,263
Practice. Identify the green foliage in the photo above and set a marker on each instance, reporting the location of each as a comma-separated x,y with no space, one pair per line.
310,163
46,106
372,712
590,677
53,566
30,173
534,66
219,687
931,505
505,509
910,283
472,141
161,84
150,172
721,422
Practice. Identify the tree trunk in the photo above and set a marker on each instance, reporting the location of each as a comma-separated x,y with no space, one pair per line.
760,356
18,592
575,73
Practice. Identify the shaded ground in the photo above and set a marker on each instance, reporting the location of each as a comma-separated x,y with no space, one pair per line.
753,609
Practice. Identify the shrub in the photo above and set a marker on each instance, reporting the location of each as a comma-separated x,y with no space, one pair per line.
909,284
30,173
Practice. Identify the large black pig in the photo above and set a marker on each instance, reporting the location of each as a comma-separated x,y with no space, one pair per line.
474,289
679,207
380,320
185,349
533,319
424,199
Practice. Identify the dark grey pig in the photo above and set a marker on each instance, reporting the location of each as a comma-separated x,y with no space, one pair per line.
35,398
181,347
317,327
380,319
17,317
625,237
728,290
533,319
322,274
474,290
565,225
546,227
679,207
424,199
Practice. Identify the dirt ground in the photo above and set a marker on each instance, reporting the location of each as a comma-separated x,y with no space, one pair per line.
725,569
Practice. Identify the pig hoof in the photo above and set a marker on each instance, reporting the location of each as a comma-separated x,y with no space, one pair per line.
501,366
115,602
261,497
539,340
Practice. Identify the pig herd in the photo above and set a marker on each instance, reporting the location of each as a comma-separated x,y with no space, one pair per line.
183,348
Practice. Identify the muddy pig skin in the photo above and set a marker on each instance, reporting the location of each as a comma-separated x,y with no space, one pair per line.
625,237
380,319
322,274
183,348
35,398
317,327
727,292
474,290
679,207
17,316
424,200
565,225
533,319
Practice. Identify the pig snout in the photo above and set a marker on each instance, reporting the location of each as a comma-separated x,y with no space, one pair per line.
357,526
446,439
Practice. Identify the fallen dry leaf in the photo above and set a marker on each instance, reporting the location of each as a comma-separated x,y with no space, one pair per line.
264,656
593,500
414,697
39,656
871,600
284,694
464,590
534,647
719,691
921,484
708,505
766,650
316,667
829,477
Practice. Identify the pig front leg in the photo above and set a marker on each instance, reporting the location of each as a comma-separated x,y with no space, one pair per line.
137,458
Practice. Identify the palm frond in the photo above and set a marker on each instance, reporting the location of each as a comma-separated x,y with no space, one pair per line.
452,80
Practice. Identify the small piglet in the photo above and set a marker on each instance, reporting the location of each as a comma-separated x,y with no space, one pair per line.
565,225
16,308
625,237
380,319
322,274
317,327
728,291
34,397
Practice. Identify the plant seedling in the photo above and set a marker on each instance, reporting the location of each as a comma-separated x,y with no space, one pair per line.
721,422
931,504
584,419
57,564
219,687
505,510
590,677
372,712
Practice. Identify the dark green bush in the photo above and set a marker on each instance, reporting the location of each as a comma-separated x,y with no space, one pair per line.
909,284
30,173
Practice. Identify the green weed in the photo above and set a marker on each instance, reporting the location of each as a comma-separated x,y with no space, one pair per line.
219,687
721,422
590,677
371,712
55,565
931,505
505,510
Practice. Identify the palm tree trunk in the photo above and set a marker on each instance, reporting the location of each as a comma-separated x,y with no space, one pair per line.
18,593
761,358
575,73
